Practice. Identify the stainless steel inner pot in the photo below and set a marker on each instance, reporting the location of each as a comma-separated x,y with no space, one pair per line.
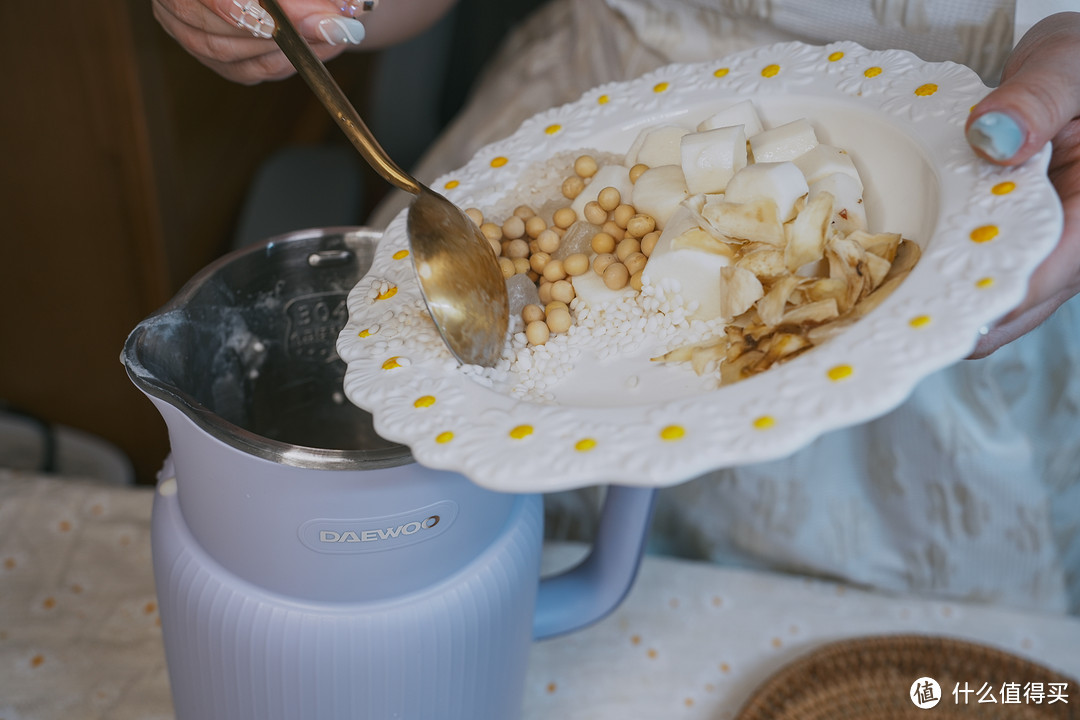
247,350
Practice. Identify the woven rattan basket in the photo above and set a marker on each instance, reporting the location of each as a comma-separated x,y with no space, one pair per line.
871,678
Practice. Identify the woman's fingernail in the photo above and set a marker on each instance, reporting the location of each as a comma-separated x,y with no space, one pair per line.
250,16
997,135
338,30
353,8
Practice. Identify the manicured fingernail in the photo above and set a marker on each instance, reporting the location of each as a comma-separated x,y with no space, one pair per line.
997,135
338,30
354,8
250,16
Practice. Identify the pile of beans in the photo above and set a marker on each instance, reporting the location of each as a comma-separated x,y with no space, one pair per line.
525,243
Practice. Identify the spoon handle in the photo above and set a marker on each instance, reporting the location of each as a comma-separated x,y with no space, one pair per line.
328,92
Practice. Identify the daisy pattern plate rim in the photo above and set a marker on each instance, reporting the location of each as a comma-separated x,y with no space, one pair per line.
626,423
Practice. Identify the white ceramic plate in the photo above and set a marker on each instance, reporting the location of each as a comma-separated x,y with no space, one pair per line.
983,229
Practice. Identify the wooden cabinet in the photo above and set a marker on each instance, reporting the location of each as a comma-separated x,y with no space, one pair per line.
124,166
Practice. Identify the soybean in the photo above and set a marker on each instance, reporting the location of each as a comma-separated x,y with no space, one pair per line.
626,248
531,313
521,265
513,228
562,291
543,290
572,187
558,320
553,270
622,214
635,262
564,217
517,248
534,226
641,225
594,213
616,276
600,262
538,260
548,241
612,228
576,264
603,242
585,166
609,199
537,332
649,242
506,267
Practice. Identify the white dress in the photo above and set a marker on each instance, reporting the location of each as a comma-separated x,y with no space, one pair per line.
970,489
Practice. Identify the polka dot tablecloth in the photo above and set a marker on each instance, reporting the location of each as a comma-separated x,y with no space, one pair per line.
80,635
694,640
79,628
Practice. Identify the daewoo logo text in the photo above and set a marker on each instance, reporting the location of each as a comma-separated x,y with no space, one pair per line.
376,534
352,536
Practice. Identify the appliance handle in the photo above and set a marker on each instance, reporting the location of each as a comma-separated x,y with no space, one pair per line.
593,588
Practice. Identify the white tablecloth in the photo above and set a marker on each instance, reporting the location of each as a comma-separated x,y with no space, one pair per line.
80,637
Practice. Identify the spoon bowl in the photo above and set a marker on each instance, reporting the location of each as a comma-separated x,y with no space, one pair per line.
457,270
470,311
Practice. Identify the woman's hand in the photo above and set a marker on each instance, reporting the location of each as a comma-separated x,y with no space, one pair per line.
1038,101
232,37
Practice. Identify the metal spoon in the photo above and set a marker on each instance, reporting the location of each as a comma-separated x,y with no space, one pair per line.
460,280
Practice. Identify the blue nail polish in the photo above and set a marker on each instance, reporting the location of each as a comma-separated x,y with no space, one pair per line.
997,135
337,30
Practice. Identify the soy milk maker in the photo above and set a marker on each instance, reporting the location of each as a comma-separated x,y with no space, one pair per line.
308,569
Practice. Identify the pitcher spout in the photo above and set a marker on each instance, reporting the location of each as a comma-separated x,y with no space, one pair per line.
246,351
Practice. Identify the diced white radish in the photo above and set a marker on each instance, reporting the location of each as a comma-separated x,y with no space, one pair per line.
783,142
683,219
849,212
824,160
741,113
616,176
631,154
697,271
658,192
656,146
710,158
781,182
